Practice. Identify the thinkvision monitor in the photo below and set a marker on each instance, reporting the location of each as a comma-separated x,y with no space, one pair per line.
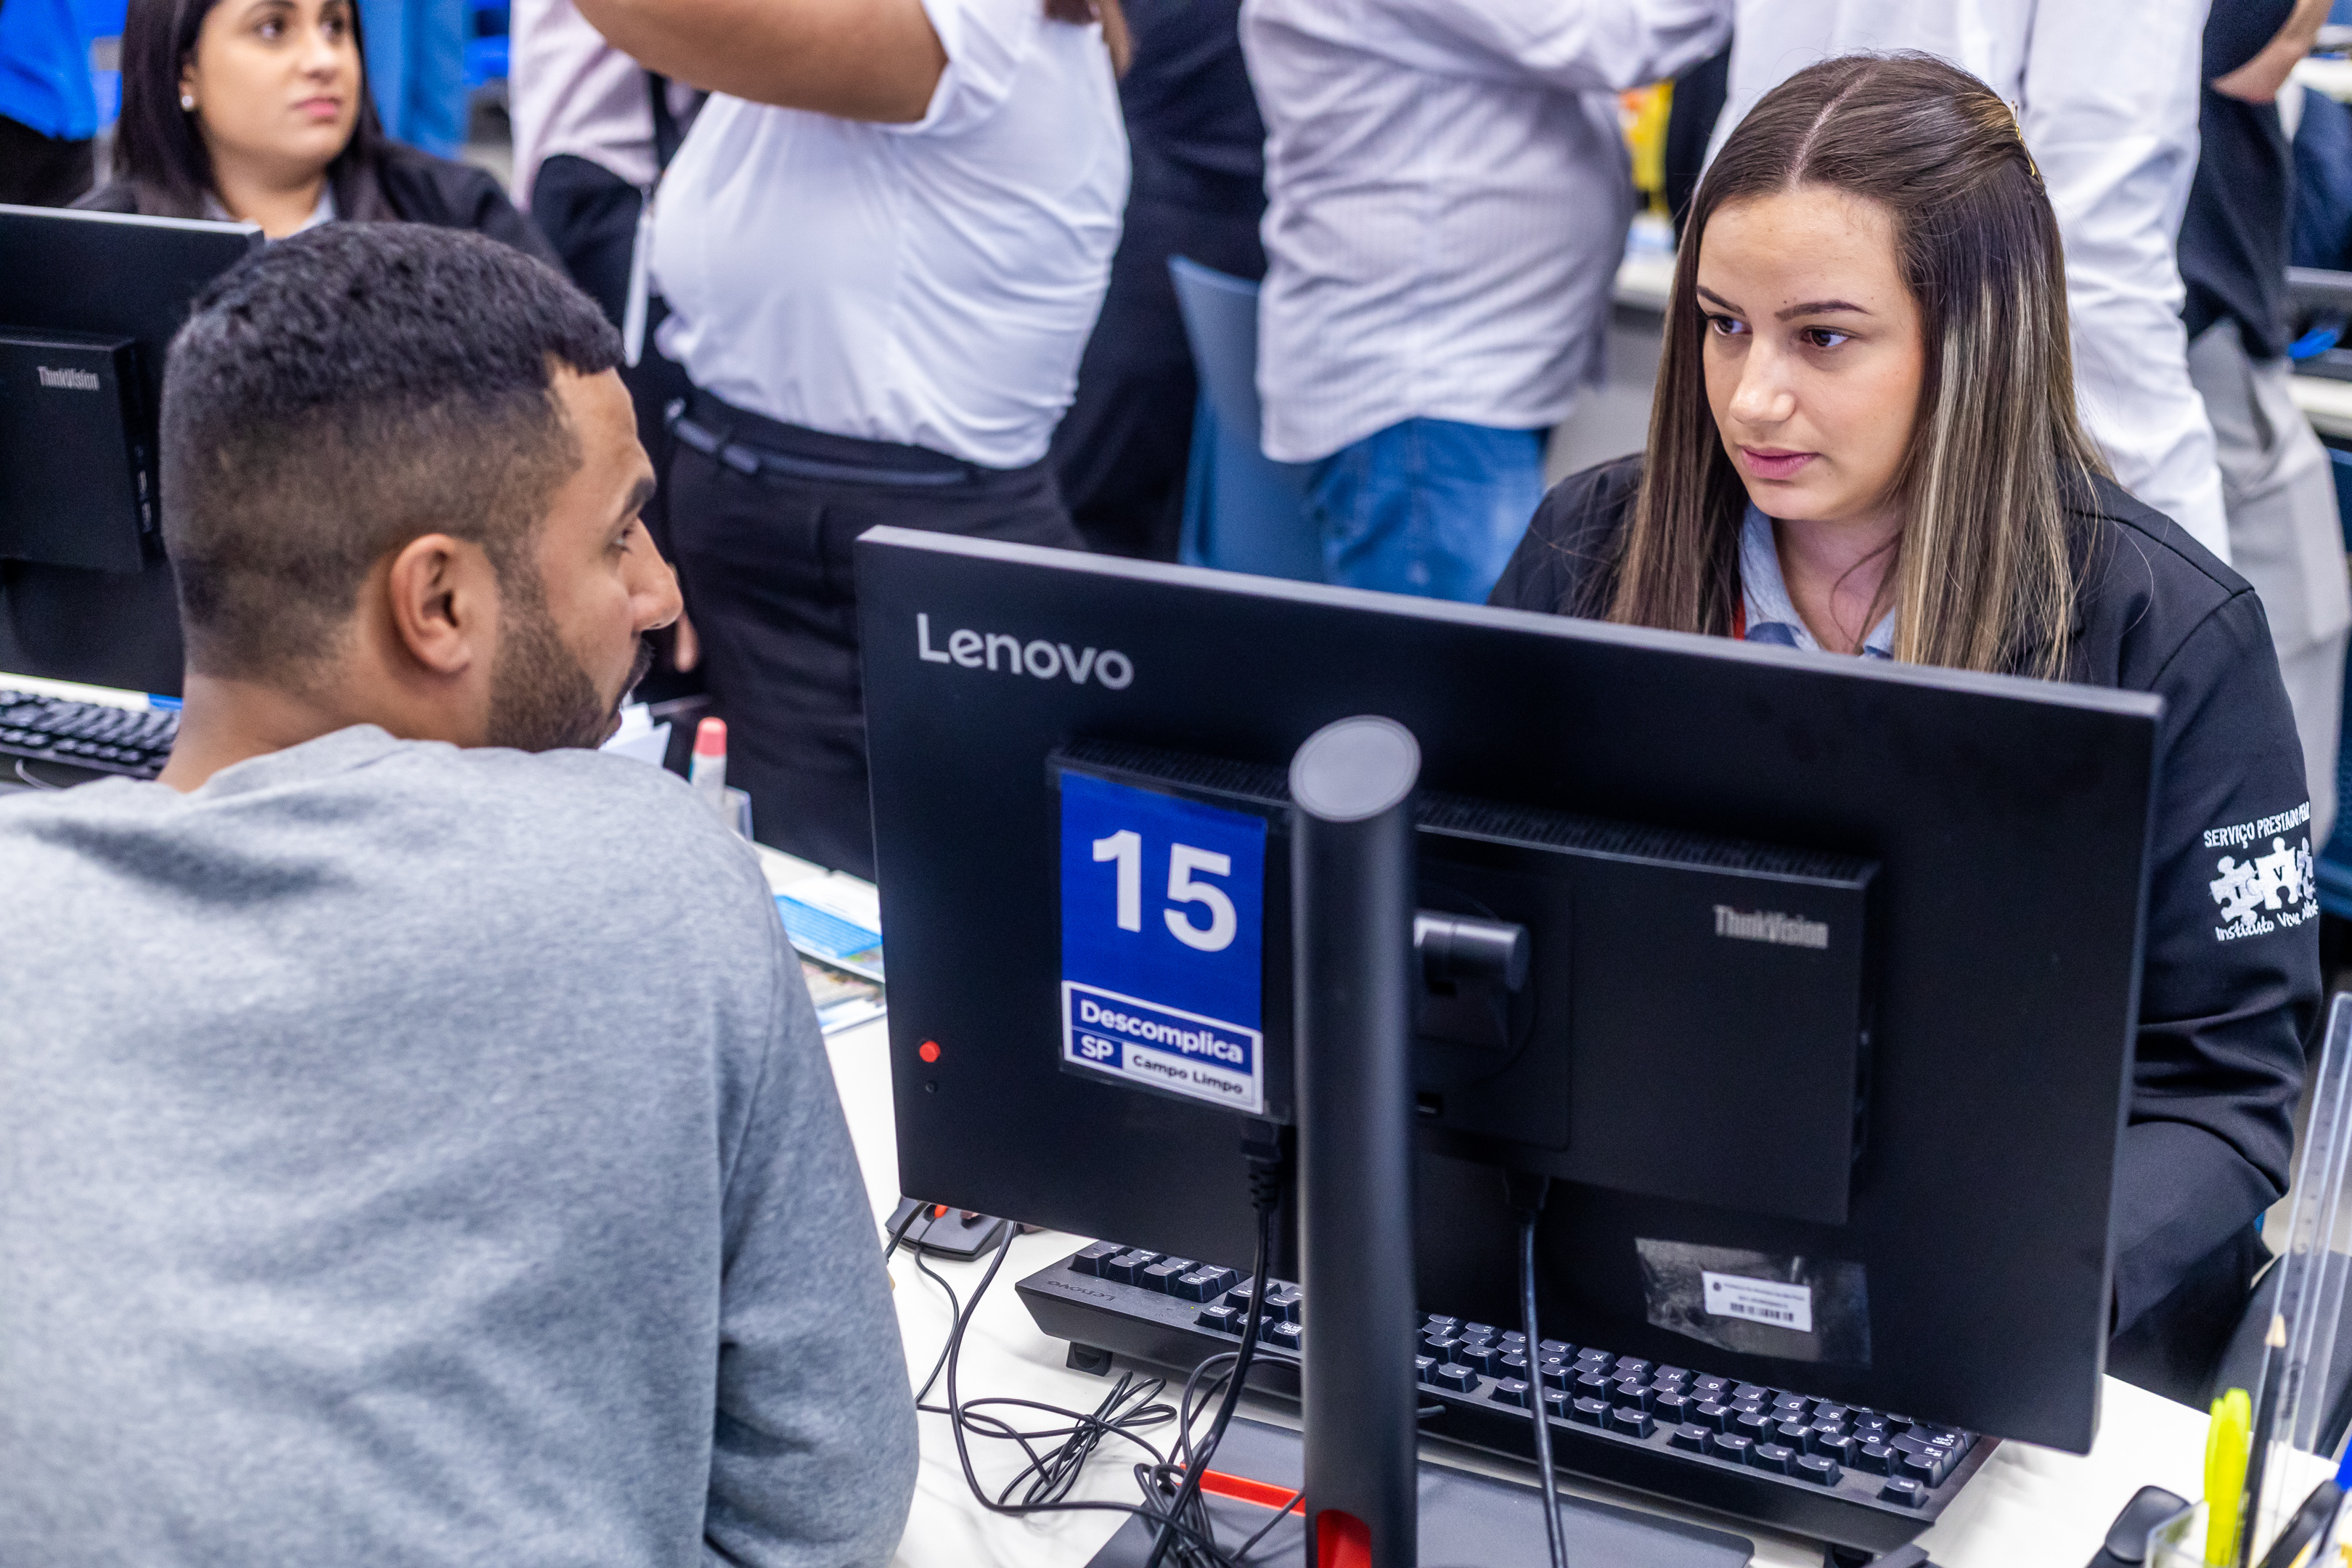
1829,977
89,302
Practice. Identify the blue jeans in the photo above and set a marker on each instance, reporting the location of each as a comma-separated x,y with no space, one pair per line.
1429,506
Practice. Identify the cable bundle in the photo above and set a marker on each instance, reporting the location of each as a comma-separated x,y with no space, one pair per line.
1183,1534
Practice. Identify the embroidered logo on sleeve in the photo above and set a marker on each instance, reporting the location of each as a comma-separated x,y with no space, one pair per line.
2259,892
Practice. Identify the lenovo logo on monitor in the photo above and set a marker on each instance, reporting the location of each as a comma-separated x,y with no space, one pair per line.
1038,659
68,380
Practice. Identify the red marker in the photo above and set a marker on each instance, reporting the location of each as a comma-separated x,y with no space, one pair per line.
707,772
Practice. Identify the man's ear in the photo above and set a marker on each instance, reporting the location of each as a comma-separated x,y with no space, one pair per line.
442,593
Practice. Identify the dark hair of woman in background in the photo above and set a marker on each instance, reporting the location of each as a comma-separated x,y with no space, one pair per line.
259,109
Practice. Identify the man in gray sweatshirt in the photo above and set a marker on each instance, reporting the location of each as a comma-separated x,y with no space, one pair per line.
371,1188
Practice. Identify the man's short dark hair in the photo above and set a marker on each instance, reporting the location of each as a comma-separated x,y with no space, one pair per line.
345,391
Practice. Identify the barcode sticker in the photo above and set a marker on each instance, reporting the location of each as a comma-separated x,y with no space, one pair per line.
1759,1301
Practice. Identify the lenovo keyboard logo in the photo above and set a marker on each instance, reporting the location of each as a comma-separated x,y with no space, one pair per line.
68,380
1769,925
1043,660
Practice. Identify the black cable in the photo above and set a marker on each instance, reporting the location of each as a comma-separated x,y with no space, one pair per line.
1200,1552
1267,1162
1087,1431
1527,1194
899,1232
1179,1519
1267,1528
1186,1415
1050,1475
955,1317
1059,1471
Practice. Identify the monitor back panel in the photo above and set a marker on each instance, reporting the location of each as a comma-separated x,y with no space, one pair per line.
2003,823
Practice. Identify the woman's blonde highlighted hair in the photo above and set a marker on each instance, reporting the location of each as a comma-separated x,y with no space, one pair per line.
1985,571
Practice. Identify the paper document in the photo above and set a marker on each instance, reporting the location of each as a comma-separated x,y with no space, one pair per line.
836,919
843,1000
639,737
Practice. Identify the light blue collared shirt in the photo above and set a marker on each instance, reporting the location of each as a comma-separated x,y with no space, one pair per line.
1772,615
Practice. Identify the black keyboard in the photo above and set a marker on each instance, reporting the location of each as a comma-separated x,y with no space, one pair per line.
88,735
1860,1478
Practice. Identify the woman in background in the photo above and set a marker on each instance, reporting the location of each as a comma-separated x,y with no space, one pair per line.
1865,442
259,111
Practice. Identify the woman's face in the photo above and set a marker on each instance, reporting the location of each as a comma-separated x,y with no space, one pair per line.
276,85
1813,351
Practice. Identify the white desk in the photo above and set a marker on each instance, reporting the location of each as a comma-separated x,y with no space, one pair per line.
2028,1507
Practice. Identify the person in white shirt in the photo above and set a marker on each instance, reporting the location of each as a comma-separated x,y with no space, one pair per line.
1449,198
593,129
2106,93
883,247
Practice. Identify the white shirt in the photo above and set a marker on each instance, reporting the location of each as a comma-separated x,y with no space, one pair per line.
1448,198
2106,91
570,91
931,284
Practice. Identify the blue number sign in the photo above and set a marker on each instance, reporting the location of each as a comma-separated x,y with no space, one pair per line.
1163,922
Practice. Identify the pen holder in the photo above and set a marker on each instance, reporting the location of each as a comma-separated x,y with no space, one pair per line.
2178,1542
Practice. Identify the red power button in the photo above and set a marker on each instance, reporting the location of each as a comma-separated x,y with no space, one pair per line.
929,1050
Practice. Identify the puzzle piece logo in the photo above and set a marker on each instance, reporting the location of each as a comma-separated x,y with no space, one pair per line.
2282,881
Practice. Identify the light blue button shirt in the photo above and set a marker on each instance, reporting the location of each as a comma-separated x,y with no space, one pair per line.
1772,615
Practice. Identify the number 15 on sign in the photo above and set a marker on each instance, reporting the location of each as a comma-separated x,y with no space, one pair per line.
1125,848
1162,938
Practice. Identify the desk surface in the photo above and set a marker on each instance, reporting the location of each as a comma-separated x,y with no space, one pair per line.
2029,1508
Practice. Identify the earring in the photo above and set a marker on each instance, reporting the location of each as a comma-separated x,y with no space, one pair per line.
188,102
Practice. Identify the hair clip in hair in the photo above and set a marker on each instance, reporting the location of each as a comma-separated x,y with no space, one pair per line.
2016,119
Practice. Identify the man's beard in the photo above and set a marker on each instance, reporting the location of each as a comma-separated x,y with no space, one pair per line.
541,697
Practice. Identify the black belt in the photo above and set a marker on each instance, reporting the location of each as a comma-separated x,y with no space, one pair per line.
753,445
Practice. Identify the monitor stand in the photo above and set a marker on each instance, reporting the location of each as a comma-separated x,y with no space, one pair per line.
1352,900
1466,1521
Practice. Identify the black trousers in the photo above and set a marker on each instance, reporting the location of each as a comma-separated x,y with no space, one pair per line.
764,559
1121,450
38,171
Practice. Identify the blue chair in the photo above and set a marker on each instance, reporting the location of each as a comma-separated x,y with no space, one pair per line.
1243,511
2334,870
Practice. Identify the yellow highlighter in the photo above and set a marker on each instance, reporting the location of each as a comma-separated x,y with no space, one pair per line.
2227,1442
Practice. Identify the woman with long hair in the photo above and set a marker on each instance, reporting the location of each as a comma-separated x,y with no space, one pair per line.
1865,442
258,110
